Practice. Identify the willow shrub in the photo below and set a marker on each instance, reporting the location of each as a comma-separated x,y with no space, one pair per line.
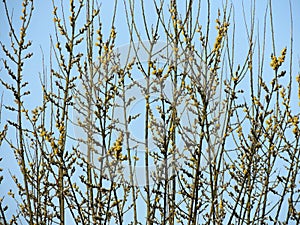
217,137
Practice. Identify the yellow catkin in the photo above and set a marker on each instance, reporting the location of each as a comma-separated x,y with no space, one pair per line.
277,62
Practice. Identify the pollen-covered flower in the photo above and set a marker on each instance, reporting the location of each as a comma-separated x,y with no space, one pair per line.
113,33
116,149
222,31
277,62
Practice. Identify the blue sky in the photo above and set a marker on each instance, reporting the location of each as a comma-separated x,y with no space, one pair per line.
42,28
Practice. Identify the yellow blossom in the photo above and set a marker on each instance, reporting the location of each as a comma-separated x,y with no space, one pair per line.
295,130
10,193
43,133
221,205
277,62
113,33
157,199
55,151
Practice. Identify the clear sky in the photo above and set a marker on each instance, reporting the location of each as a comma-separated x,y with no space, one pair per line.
42,27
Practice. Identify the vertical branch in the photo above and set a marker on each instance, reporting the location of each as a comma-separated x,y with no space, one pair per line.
89,40
18,58
66,60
